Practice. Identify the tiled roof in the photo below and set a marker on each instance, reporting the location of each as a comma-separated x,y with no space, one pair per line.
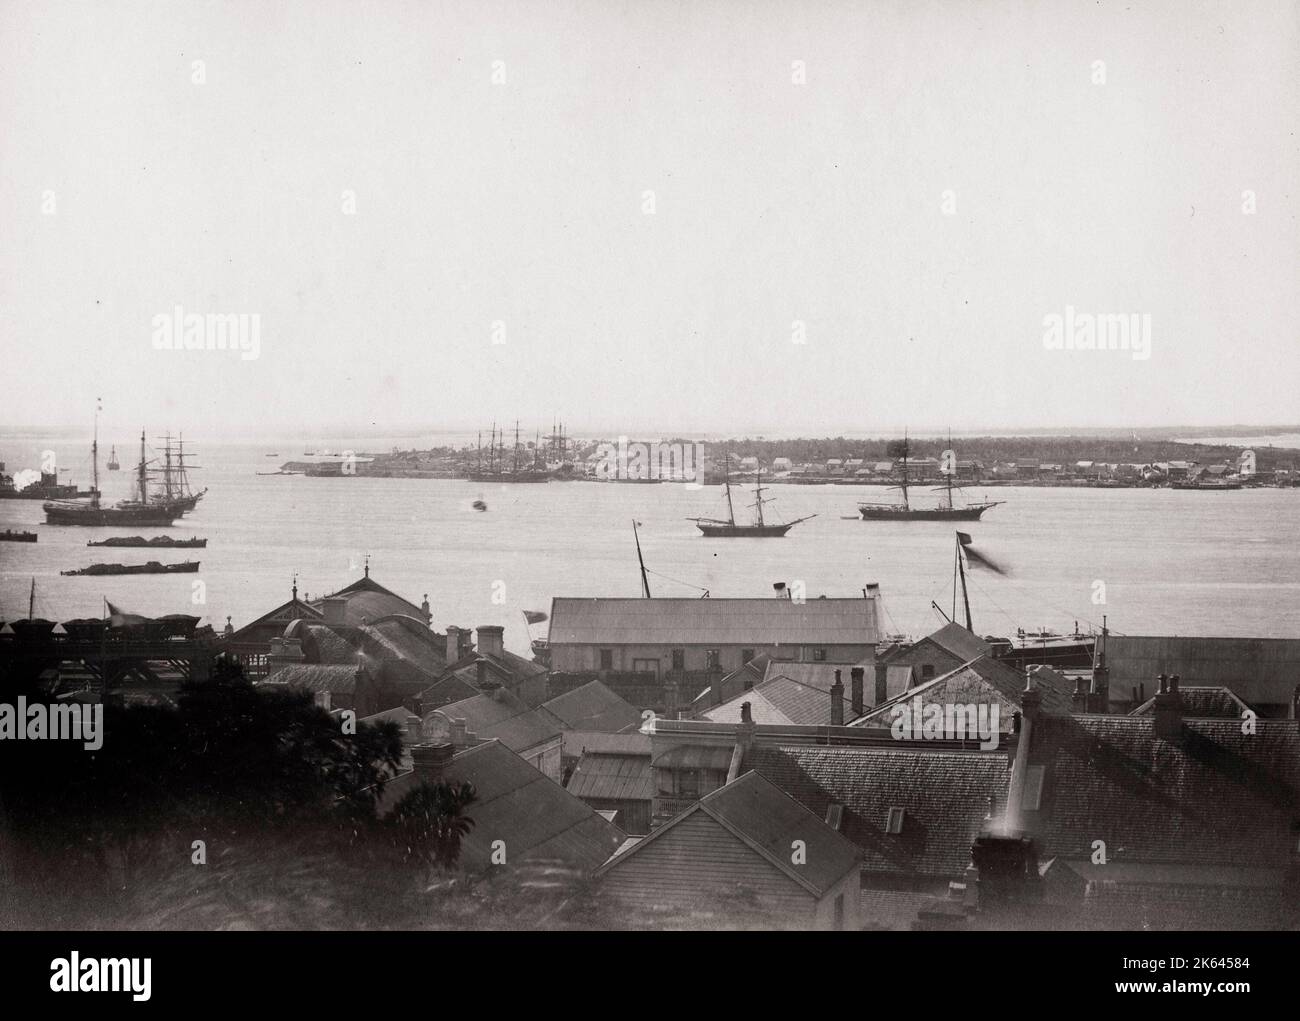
321,644
945,796
1217,796
1202,704
315,677
768,821
761,622
593,707
504,716
1258,670
613,777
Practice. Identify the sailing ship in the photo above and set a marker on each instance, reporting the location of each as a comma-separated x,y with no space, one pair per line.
947,510
113,464
760,528
170,499
496,470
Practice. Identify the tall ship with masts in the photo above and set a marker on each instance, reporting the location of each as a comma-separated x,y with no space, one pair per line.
172,481
113,463
947,509
760,528
496,469
160,507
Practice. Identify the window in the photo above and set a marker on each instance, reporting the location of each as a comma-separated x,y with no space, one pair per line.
679,659
894,821
927,671
819,655
607,659
1033,788
834,815
712,659
746,655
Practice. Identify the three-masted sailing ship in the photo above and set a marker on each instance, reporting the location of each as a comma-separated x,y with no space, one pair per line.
160,504
496,470
760,528
946,510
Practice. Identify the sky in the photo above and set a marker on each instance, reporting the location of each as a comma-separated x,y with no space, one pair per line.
714,216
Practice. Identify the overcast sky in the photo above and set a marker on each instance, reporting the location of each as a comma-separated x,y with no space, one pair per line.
946,176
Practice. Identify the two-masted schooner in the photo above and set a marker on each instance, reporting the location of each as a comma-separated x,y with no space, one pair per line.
760,528
946,510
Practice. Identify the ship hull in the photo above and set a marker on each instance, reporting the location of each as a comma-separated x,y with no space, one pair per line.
98,517
875,513
725,531
509,477
153,567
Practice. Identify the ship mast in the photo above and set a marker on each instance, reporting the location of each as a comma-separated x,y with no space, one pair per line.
94,457
645,581
965,596
726,482
143,473
903,484
758,498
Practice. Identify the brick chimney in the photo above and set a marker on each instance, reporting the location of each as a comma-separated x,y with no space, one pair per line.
458,732
1168,710
452,653
837,702
857,676
413,730
490,640
430,760
334,608
882,683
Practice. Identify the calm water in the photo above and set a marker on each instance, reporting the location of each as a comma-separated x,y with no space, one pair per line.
1172,562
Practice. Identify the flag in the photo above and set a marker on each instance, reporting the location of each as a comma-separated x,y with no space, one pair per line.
118,617
975,559
534,616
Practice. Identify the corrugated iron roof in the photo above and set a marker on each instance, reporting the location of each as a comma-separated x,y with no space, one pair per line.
761,622
504,716
1258,670
593,707
613,777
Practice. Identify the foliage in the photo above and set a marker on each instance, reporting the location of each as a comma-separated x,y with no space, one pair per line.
429,823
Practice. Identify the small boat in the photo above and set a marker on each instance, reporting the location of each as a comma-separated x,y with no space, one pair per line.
8,535
272,455
152,567
163,541
479,505
716,528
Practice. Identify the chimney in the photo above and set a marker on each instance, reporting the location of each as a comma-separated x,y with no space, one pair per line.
1079,700
882,683
334,609
1168,710
413,732
490,641
466,643
1031,702
285,650
746,713
857,675
837,702
431,760
782,592
453,644
458,733
424,609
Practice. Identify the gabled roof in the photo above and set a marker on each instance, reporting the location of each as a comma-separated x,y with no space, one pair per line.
273,622
954,638
502,715
792,693
761,708
593,707
981,680
945,796
1215,796
367,600
761,622
768,821
1209,703
534,815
